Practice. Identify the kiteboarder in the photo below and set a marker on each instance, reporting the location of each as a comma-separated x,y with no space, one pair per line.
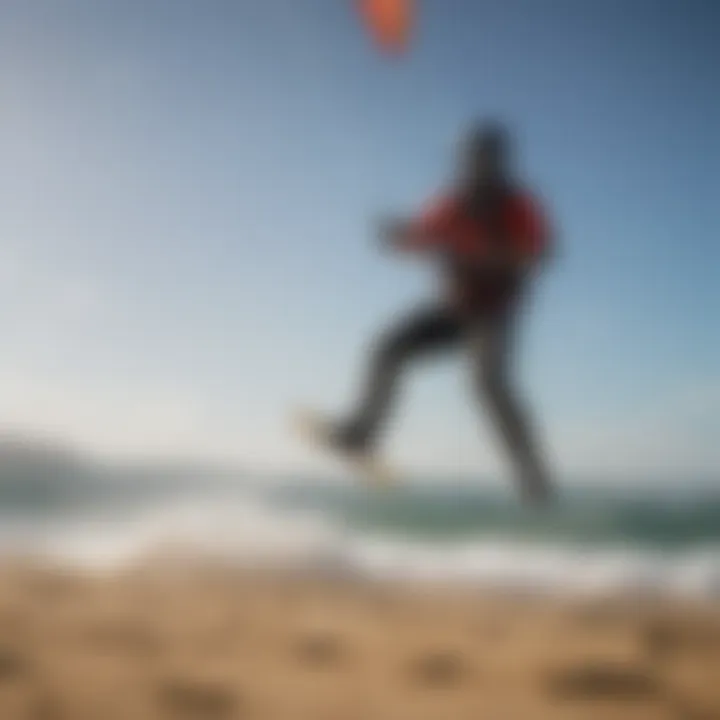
490,237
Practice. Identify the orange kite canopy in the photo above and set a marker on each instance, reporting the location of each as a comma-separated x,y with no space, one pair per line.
389,22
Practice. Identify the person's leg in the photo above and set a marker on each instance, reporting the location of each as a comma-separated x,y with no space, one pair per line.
427,330
492,354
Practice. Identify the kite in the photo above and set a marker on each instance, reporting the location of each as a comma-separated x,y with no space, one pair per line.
389,22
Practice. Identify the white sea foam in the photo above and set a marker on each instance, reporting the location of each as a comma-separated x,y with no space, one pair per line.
250,532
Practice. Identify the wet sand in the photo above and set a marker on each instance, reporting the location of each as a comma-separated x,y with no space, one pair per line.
216,645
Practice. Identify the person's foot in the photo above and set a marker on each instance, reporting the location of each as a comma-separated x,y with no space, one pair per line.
354,445
341,437
538,496
346,439
537,491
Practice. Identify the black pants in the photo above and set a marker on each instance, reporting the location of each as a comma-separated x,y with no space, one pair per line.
489,341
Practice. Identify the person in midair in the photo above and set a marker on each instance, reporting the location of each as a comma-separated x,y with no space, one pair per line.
490,237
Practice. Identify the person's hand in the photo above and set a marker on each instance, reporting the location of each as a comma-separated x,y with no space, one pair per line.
392,232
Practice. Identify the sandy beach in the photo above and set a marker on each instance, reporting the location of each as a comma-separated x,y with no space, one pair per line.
215,644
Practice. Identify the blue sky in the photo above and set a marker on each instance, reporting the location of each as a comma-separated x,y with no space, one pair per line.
188,193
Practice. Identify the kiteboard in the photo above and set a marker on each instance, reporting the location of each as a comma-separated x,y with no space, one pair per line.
313,429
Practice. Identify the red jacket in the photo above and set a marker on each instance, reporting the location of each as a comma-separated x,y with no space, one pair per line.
462,235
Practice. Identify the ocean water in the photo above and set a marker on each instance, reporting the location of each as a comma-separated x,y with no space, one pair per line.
648,538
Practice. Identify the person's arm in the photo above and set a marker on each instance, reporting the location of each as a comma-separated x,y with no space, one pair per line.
427,232
396,232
